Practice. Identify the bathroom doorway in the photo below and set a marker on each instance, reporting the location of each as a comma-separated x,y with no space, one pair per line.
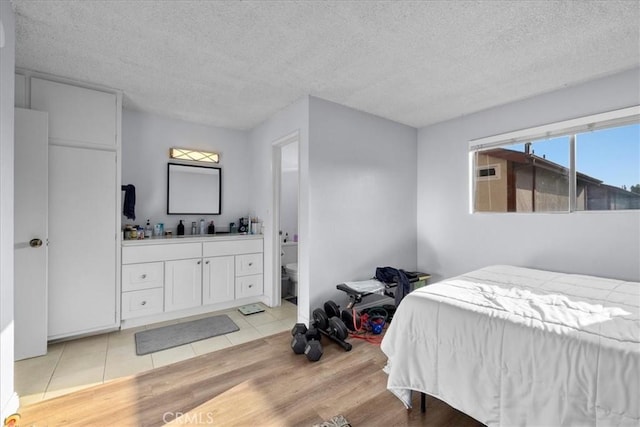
288,230
286,202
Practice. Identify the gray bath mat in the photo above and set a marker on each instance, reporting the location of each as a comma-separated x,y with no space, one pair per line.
183,333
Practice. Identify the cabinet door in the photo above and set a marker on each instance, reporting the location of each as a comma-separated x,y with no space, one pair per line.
218,281
76,114
82,240
182,284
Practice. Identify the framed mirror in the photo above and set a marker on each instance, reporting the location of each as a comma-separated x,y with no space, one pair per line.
193,190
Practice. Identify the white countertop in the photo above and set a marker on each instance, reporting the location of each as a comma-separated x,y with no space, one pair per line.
190,239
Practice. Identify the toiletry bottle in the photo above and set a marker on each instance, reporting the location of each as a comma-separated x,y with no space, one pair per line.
148,230
202,226
193,228
212,228
181,229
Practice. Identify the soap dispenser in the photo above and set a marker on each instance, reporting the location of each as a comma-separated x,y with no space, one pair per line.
181,229
212,228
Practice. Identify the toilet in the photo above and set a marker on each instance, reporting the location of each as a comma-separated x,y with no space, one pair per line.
292,272
289,264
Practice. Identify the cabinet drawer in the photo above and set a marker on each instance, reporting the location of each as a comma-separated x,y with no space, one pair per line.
231,247
160,252
249,286
142,303
136,277
248,264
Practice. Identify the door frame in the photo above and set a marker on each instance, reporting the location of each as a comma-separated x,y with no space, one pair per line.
276,162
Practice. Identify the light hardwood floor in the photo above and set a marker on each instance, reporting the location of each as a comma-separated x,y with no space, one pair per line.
259,383
80,363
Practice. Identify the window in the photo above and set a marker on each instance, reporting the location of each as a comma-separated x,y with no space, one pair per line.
591,163
608,169
488,172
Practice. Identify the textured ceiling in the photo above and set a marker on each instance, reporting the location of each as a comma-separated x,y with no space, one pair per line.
234,64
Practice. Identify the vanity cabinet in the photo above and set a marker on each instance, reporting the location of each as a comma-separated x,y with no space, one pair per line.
248,275
218,279
247,270
249,286
182,284
142,289
170,278
142,303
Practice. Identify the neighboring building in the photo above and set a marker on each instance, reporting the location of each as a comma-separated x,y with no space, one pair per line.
514,181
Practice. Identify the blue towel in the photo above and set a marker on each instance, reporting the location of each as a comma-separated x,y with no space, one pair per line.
129,205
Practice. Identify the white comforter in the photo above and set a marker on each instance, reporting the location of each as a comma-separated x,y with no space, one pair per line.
514,346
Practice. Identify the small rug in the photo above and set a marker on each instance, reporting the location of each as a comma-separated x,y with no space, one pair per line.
183,333
337,421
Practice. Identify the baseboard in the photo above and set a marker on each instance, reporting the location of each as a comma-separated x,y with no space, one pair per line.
12,406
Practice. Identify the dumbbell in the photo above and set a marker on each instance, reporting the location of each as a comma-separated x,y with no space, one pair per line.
302,336
306,341
333,327
298,328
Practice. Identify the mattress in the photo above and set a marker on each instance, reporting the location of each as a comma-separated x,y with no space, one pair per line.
516,346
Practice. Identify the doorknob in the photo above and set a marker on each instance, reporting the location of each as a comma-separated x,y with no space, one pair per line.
35,243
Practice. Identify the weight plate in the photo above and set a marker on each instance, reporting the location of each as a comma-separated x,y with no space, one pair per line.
320,319
332,309
338,327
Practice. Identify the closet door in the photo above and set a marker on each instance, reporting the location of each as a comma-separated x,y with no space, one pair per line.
30,233
76,114
82,240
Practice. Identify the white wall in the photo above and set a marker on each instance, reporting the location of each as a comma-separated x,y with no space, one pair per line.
294,118
8,398
362,197
146,140
357,195
452,241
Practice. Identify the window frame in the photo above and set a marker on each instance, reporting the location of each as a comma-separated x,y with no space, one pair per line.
568,128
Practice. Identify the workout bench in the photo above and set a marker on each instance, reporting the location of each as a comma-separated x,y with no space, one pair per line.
362,289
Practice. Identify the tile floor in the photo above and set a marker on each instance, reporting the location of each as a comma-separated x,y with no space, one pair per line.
73,365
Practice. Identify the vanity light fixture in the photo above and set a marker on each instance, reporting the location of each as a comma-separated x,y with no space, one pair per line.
198,156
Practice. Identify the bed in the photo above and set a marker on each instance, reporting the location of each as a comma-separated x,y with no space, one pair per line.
516,346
